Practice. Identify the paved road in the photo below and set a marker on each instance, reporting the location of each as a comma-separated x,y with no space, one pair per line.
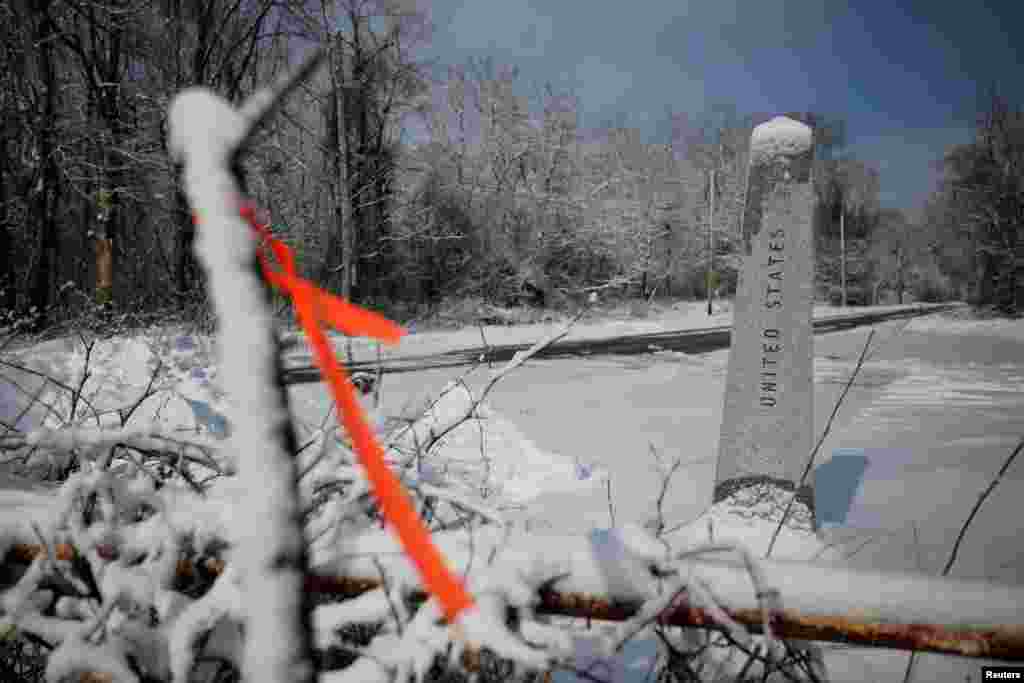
691,341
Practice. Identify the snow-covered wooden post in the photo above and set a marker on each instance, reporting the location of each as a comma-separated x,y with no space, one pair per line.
206,133
767,422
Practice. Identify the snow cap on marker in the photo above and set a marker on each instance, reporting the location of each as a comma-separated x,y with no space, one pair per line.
781,136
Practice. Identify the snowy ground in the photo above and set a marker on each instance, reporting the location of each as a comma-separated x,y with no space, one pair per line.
556,433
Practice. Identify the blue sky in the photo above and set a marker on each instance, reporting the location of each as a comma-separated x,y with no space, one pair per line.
904,74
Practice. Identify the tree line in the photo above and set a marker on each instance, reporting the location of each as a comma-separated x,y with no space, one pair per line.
974,221
400,184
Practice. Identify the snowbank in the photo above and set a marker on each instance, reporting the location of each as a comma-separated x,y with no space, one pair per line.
184,393
944,324
750,517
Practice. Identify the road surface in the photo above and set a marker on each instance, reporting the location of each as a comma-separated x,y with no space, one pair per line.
690,341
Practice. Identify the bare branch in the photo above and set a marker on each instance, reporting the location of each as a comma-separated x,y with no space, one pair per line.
977,506
821,440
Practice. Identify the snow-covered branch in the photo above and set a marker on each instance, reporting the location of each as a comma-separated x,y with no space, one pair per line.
207,134
420,436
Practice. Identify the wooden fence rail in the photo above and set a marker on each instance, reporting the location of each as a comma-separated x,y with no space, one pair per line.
822,603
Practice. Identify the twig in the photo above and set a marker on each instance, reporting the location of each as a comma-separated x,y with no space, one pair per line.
487,347
681,525
651,613
911,660
769,600
86,374
485,481
263,103
386,588
666,480
457,501
126,414
433,437
917,547
821,440
52,380
379,378
611,504
977,506
13,427
898,332
9,340
141,438
868,541
521,357
318,458
581,673
909,671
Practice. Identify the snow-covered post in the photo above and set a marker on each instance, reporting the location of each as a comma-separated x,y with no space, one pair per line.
767,421
206,134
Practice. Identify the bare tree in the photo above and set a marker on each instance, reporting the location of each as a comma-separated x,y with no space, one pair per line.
216,44
46,188
983,190
848,197
894,240
373,83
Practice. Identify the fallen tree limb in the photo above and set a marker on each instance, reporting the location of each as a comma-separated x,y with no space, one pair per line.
690,341
823,603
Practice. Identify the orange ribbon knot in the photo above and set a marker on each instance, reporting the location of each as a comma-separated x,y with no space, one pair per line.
315,307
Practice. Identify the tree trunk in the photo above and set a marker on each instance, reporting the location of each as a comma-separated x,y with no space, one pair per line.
1006,285
1011,269
670,264
336,273
46,192
8,294
104,270
900,281
986,288
102,246
386,281
185,266
354,126
110,238
355,271
842,255
1018,261
363,197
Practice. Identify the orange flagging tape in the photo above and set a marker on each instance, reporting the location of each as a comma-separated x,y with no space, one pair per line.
315,307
